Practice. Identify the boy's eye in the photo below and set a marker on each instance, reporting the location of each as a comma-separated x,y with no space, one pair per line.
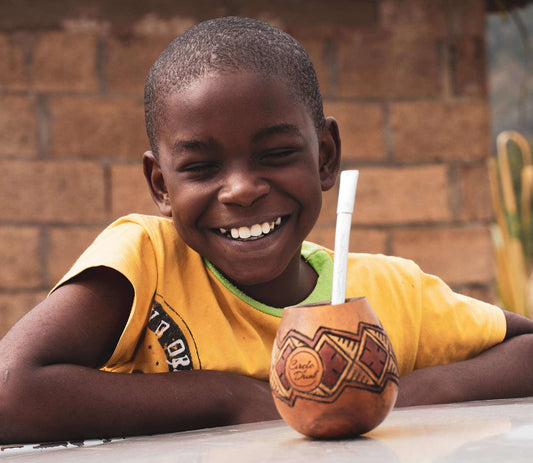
278,156
199,168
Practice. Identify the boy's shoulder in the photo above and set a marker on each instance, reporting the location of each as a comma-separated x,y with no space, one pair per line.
140,227
362,261
134,245
364,267
147,222
386,269
381,260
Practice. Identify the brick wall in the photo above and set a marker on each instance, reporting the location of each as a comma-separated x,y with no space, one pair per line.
405,79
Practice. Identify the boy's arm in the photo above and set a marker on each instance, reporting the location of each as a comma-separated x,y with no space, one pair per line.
503,371
51,388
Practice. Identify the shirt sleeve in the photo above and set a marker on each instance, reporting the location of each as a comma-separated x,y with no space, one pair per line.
454,327
126,247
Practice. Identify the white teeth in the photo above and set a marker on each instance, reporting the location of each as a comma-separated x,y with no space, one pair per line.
254,231
244,232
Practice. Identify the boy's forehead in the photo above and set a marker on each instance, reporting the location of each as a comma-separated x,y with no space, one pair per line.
241,94
182,90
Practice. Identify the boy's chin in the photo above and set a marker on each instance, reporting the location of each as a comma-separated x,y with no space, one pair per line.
246,278
249,280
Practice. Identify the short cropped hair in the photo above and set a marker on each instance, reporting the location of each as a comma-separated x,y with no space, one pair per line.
229,44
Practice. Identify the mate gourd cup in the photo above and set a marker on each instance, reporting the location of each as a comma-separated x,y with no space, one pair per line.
333,371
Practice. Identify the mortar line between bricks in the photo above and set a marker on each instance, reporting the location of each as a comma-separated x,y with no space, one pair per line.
443,50
458,225
389,242
82,94
101,66
61,225
454,195
130,96
457,99
16,291
399,165
63,159
44,243
108,203
43,128
332,65
387,134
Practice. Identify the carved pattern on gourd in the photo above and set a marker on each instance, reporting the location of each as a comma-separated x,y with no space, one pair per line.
320,368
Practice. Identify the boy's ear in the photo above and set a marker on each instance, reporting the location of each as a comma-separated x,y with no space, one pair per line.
330,153
156,183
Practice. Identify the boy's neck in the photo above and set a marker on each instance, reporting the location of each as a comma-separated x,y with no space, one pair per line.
290,288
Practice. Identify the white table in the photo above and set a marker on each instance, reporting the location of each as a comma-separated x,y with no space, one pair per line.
500,430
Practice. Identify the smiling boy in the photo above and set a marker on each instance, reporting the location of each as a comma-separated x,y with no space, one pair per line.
261,165
240,154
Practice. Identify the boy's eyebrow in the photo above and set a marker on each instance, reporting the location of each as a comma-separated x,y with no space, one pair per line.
194,145
211,144
278,129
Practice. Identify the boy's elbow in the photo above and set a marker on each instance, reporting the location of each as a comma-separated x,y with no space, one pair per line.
523,350
512,367
17,406
8,406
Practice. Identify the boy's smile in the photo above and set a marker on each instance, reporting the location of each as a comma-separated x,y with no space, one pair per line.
256,231
240,171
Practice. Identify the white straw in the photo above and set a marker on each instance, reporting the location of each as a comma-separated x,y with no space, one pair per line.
347,188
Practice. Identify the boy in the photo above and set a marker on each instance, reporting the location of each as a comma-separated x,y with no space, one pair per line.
240,153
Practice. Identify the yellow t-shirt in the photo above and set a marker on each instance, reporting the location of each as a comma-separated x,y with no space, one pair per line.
186,315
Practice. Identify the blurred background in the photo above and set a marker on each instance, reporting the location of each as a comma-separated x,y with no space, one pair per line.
421,89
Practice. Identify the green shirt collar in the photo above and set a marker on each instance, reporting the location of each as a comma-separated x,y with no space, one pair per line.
315,255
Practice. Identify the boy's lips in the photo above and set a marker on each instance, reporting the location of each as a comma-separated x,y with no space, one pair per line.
252,232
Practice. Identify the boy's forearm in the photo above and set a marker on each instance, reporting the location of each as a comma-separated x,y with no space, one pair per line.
66,402
504,371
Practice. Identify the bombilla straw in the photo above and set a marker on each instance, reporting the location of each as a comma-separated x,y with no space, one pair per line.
347,188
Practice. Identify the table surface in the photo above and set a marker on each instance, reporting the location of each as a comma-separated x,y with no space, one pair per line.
499,430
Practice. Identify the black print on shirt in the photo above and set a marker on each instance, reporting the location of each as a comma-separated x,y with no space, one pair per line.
171,339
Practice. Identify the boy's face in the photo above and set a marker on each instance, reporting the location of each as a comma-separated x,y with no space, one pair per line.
241,171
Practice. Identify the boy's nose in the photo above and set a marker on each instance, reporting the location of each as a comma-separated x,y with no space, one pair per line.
243,189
